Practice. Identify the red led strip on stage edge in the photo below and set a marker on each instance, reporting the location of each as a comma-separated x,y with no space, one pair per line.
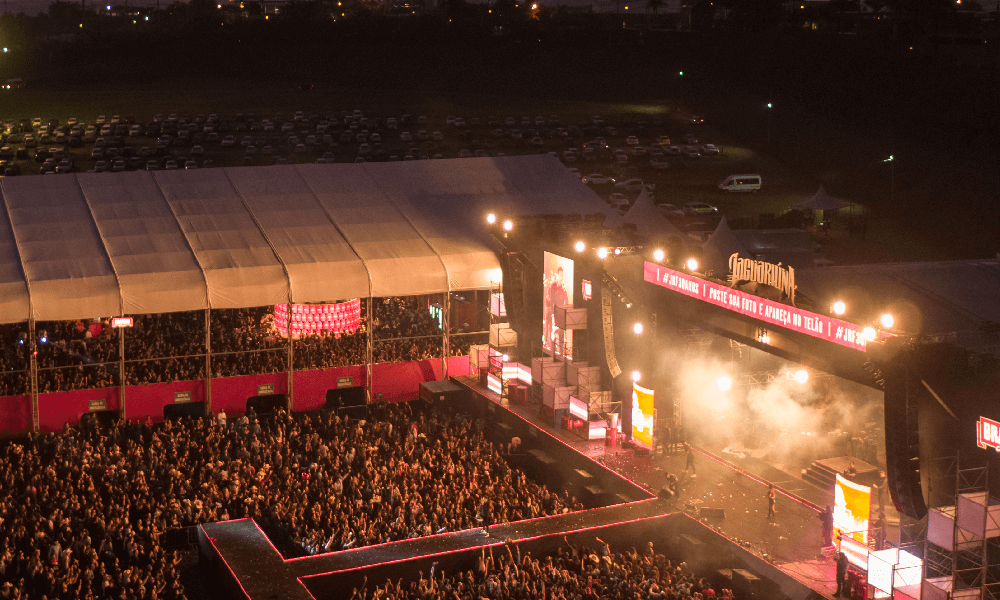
788,317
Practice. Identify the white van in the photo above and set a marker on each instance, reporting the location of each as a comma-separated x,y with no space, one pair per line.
741,183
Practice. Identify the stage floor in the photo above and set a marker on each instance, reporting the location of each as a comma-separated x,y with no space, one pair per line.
792,541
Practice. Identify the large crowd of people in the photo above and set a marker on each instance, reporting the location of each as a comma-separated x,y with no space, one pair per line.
83,512
161,348
572,572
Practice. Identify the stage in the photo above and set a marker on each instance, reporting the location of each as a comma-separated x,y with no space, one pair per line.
792,541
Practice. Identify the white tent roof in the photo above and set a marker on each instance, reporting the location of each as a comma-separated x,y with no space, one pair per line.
97,245
720,246
648,219
822,200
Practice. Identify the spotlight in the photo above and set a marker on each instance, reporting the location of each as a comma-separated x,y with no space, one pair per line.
692,264
508,225
887,321
618,251
505,358
801,376
658,255
839,308
724,383
637,328
765,339
602,253
43,339
491,218
628,305
636,375
580,246
869,333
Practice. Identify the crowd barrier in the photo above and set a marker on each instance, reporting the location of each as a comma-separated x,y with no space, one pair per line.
391,381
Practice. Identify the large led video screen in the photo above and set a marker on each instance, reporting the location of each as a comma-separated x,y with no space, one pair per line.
557,291
642,416
851,505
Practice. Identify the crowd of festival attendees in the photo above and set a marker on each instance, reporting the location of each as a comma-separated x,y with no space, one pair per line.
572,572
167,347
83,512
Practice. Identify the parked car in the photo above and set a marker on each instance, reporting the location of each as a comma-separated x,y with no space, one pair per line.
670,211
710,150
658,163
741,183
699,208
632,185
619,201
597,179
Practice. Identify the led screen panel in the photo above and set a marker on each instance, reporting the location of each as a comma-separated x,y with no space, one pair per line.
557,291
642,416
850,509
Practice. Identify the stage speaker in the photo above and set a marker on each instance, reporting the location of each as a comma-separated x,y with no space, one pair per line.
513,288
190,410
712,513
345,397
266,405
746,584
902,440
665,493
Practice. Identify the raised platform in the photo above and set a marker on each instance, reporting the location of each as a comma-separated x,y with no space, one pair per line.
260,572
823,472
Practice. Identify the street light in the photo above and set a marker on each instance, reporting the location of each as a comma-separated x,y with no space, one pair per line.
892,178
508,225
637,328
769,107
491,218
658,255
580,246
839,308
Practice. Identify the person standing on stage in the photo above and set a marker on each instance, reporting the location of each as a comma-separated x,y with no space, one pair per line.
881,530
690,460
841,575
487,514
827,518
771,501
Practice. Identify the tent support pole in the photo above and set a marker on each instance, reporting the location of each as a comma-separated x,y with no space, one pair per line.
208,362
369,343
34,376
121,373
446,337
291,360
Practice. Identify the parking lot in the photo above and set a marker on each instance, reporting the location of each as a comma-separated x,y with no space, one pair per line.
676,154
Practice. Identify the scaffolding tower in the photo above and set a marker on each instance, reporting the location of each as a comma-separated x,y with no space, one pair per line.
963,542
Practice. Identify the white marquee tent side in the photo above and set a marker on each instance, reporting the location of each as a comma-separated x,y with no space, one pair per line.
96,245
